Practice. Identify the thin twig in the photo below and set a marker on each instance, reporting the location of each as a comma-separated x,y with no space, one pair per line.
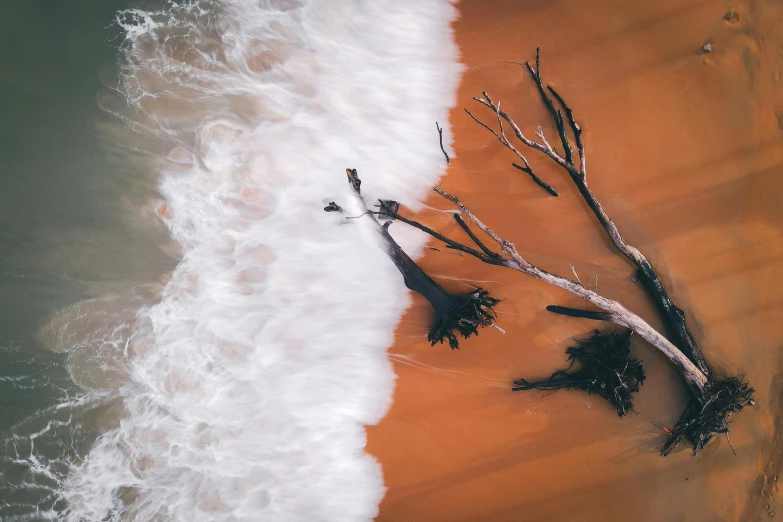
730,445
450,242
504,140
475,239
440,135
496,327
575,274
538,181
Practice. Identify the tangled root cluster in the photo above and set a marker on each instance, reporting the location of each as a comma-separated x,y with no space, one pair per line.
461,314
606,368
703,420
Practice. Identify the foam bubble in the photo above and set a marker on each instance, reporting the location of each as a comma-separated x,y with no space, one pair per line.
246,388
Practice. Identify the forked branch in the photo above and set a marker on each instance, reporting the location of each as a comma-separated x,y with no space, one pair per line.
673,315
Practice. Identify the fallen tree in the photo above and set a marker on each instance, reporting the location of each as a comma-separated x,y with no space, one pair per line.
708,415
713,400
456,315
673,316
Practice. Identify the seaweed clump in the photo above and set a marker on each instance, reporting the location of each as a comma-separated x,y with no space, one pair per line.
606,368
704,419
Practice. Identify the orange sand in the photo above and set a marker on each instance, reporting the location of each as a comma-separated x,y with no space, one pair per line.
685,150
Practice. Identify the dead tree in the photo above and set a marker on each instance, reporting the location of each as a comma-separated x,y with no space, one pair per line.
564,119
510,258
708,414
714,401
455,314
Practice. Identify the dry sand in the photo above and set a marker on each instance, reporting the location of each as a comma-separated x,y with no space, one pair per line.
685,150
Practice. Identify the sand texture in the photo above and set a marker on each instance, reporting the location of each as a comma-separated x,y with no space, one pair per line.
685,151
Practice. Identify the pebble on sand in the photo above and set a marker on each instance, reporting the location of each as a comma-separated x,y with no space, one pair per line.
707,48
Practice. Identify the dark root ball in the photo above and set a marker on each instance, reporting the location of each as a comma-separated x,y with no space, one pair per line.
606,368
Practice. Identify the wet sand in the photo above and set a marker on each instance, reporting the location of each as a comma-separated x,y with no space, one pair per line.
685,151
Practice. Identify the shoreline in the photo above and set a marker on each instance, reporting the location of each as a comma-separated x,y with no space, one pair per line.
681,151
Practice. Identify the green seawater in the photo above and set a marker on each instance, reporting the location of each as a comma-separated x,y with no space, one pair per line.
72,227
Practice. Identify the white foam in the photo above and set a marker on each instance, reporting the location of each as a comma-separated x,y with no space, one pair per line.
246,399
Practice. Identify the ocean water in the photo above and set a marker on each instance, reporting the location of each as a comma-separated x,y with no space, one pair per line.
227,373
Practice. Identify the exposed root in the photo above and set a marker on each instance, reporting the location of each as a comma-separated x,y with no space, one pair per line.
606,369
701,421
455,314
460,314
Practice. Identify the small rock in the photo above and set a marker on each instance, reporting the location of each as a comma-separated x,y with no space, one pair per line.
766,507
707,48
731,16
771,514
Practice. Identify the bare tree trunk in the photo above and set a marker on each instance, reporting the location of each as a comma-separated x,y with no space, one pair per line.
455,314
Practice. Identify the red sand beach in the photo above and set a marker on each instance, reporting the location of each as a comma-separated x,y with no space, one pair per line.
685,151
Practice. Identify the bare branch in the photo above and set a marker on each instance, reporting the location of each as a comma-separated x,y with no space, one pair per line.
518,133
696,380
456,315
440,135
476,221
490,129
575,128
556,116
504,140
674,316
487,258
538,181
540,134
475,239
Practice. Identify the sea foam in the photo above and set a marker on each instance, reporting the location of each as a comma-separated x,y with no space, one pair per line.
247,387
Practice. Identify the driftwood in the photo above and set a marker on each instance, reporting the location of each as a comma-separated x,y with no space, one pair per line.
509,257
455,314
714,401
673,316
713,405
606,368
615,312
